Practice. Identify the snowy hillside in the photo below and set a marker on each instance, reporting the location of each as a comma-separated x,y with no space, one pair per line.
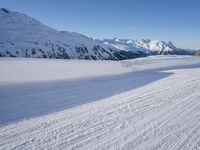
145,103
146,47
23,36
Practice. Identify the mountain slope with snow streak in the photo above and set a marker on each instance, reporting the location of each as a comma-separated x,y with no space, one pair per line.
153,105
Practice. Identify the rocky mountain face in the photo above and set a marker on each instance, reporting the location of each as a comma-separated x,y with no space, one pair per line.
23,36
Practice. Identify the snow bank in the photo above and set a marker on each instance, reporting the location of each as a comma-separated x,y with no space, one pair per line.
16,70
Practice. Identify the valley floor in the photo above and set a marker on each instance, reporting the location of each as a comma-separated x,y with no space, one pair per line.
145,103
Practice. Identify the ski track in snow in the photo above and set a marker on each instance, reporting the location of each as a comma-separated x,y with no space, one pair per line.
157,106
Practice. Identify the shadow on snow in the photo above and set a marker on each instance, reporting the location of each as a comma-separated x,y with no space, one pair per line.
28,100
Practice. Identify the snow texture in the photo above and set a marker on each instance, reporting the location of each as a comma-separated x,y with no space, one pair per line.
145,103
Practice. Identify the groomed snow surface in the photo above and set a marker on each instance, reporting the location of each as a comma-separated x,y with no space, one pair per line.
145,103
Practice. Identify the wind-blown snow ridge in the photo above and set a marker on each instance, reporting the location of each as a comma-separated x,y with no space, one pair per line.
155,106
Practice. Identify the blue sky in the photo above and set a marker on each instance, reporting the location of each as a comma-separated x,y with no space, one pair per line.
174,20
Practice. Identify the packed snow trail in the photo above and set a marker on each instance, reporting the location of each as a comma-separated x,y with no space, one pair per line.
157,106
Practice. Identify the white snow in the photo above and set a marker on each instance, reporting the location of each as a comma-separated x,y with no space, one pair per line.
28,70
154,106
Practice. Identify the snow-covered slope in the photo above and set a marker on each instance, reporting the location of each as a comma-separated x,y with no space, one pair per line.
23,36
146,47
145,103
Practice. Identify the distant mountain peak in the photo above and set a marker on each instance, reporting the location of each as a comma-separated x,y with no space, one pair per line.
5,10
146,46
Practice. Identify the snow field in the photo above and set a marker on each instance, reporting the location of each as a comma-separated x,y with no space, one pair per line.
156,106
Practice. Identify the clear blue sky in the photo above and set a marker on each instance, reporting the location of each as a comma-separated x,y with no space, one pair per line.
174,20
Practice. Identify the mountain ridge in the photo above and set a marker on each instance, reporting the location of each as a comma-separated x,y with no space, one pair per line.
151,47
24,36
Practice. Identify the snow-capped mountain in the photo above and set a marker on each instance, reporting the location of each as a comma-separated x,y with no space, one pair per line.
23,36
146,46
